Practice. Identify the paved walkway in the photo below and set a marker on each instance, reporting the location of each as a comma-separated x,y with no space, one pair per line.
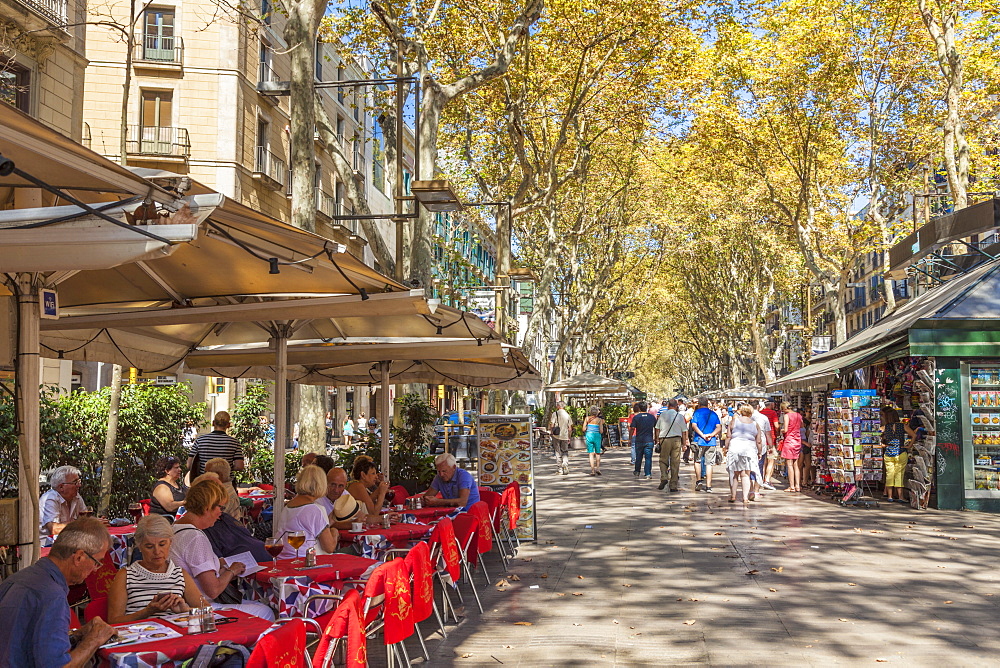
626,575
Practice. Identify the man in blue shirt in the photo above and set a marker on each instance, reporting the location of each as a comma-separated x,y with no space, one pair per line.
456,485
33,607
641,431
706,426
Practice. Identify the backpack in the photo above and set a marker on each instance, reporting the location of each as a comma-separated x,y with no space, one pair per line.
224,655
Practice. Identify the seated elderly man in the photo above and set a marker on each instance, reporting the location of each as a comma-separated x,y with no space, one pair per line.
63,502
33,607
457,486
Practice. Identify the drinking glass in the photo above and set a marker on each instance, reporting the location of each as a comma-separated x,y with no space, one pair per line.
135,510
296,539
274,546
86,511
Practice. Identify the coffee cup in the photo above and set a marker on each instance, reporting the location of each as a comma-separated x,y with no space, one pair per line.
357,526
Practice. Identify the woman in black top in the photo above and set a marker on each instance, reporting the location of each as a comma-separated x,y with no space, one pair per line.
168,491
894,453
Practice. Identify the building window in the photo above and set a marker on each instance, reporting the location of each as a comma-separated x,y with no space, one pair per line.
266,72
158,35
319,61
265,11
378,157
15,85
157,108
340,77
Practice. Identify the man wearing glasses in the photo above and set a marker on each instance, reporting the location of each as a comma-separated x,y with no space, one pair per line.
33,603
63,502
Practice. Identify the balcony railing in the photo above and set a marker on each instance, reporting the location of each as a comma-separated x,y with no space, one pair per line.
266,73
271,166
326,204
158,140
155,48
54,10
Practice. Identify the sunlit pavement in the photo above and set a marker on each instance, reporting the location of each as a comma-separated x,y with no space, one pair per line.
624,574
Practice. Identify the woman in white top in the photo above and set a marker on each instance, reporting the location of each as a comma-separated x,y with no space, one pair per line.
741,452
302,513
154,585
192,551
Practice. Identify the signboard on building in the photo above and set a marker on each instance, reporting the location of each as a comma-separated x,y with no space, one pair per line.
821,344
48,304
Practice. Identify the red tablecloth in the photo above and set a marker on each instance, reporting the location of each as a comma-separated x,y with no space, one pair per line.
347,565
424,514
394,534
171,652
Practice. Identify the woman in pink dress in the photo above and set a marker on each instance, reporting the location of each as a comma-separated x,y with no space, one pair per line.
791,445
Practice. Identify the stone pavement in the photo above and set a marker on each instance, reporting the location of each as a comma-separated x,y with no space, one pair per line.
626,575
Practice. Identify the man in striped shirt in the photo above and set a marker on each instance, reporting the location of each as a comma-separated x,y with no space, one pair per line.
217,443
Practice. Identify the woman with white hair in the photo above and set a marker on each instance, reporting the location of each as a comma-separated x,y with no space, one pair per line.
154,585
302,513
62,503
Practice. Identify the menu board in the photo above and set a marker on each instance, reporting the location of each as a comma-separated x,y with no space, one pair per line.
146,631
505,456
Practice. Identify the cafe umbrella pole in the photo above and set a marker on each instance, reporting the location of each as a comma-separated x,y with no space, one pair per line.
280,420
383,409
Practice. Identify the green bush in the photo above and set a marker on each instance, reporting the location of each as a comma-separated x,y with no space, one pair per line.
74,426
614,412
258,450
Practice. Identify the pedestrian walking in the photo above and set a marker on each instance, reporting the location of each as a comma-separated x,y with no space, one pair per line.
791,446
772,448
641,431
745,443
767,446
593,431
217,443
688,412
348,431
671,434
561,426
706,426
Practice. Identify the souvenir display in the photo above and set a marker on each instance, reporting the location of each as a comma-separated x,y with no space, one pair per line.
984,415
853,431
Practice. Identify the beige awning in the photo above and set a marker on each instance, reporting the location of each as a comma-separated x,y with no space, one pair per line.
588,383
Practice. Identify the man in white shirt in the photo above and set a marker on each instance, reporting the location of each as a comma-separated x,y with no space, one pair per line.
563,421
671,433
62,504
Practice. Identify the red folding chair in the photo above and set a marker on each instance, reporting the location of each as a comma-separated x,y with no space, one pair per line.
344,622
466,530
97,607
512,492
399,494
388,607
484,536
444,548
494,502
418,561
284,646
99,580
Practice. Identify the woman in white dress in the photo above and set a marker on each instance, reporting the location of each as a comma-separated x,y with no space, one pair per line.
741,452
302,513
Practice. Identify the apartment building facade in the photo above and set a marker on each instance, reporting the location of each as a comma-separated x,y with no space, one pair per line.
194,107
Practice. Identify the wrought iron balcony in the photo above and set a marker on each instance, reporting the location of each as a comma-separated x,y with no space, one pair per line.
158,140
326,204
53,10
158,49
271,166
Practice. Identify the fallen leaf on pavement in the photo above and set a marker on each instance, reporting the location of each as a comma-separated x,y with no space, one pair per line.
544,575
502,583
514,578
952,538
626,585
877,531
614,621
689,622
575,624
718,533
581,577
523,624
578,593
881,660
843,620
692,599
508,647
632,627
772,589
753,572
528,559
968,526
559,594
947,602
857,530
466,656
778,569
852,584
732,556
